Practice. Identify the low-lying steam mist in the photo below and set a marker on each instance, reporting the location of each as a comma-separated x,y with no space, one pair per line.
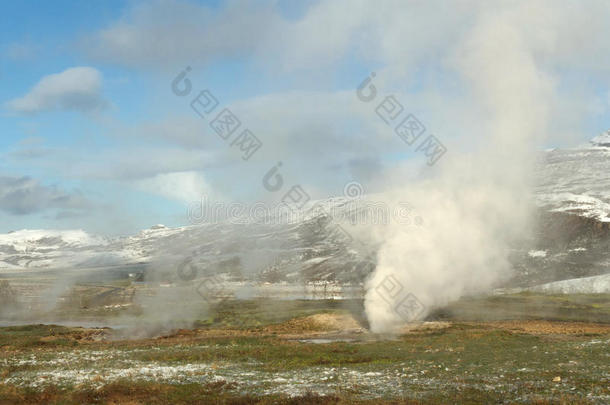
476,203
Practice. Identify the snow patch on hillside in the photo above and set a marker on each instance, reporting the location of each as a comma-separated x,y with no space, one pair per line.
537,253
602,140
586,285
30,238
576,180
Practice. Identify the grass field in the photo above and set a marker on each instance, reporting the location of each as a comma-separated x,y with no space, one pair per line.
522,348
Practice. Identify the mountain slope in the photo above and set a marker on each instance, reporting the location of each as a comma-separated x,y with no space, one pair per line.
577,180
572,236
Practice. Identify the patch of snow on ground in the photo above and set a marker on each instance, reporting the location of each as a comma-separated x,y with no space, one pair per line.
586,285
537,253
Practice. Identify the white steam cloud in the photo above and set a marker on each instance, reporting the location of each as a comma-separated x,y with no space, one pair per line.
477,203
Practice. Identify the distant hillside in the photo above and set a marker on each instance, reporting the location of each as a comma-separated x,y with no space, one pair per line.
572,236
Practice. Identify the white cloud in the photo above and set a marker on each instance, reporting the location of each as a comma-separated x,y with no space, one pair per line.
403,39
179,186
397,34
77,88
169,33
162,33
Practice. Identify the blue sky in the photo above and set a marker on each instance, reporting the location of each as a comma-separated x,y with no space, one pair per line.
94,138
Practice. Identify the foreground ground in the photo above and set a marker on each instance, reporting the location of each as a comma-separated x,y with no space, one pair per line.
527,349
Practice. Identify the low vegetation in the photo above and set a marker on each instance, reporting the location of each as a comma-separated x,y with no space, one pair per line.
317,352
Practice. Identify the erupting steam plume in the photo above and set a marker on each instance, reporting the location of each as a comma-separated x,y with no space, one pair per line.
477,203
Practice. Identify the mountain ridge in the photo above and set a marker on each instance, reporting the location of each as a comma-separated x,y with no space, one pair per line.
573,236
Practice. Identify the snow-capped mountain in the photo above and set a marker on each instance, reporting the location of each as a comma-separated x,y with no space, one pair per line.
311,247
573,226
46,248
602,140
573,237
577,180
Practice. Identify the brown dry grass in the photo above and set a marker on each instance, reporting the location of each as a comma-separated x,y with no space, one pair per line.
549,327
334,325
331,325
304,327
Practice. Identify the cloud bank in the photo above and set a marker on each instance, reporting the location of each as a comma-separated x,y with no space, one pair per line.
24,195
77,88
